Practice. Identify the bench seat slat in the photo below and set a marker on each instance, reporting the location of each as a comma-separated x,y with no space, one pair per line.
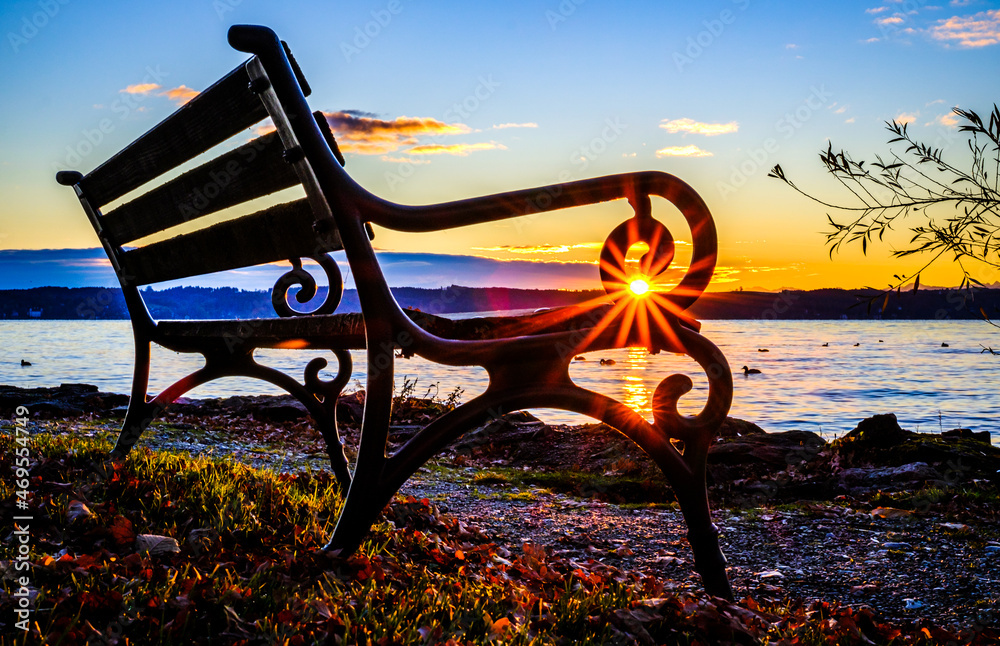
347,331
277,233
218,113
251,171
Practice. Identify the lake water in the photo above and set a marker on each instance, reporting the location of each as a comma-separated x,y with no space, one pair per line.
898,367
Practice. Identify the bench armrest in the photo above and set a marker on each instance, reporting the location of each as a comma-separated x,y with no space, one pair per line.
635,187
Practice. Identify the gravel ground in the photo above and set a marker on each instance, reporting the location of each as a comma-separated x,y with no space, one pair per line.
904,567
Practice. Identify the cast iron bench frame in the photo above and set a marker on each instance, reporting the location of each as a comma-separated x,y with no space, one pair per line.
527,359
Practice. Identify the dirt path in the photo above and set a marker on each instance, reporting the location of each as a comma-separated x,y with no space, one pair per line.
907,567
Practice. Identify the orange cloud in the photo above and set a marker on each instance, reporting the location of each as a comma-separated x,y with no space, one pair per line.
690,126
455,149
978,30
365,134
181,94
141,88
682,151
906,117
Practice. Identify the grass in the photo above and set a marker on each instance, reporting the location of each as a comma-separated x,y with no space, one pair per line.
248,569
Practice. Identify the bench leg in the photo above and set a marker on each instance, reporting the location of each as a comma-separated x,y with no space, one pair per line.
139,413
369,492
703,535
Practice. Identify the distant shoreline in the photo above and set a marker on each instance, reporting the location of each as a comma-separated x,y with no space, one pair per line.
98,303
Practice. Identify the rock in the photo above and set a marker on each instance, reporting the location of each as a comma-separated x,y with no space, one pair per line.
54,408
68,400
968,434
879,431
897,546
351,407
880,476
733,427
281,409
772,449
79,388
522,417
879,442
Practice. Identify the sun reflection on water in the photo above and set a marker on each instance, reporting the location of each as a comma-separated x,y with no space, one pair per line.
637,395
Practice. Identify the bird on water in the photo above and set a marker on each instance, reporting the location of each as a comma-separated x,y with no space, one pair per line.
25,363
750,371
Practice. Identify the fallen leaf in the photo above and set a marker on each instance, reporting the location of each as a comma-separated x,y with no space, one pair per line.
890,512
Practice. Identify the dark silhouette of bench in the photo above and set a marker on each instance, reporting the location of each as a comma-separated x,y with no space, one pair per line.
527,358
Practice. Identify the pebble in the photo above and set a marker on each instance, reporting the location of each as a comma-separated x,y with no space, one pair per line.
897,546
913,604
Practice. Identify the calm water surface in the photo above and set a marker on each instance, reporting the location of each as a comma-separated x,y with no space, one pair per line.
897,367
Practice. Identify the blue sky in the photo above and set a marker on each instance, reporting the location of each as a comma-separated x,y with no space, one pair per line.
441,101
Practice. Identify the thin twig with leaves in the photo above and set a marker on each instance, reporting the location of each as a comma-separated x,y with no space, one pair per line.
957,210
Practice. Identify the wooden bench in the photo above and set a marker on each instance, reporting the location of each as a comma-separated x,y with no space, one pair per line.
527,359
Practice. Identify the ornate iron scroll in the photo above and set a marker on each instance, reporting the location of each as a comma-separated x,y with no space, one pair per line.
299,276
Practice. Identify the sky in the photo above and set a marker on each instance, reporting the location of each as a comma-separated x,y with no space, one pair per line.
437,101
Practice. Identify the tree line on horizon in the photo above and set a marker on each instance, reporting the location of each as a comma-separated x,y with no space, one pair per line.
96,303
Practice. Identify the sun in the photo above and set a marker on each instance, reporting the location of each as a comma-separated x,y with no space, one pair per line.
639,286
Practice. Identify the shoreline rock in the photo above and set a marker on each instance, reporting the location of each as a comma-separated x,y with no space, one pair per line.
877,454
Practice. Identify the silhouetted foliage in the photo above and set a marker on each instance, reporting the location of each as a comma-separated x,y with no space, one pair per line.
951,208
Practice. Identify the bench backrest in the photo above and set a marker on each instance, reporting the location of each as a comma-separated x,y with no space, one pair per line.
258,168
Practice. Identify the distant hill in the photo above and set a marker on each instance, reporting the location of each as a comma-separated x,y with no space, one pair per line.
203,303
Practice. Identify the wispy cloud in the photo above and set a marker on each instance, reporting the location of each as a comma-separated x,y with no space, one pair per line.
690,126
906,117
949,120
541,249
501,126
890,20
141,88
978,30
455,149
180,95
363,133
682,151
877,9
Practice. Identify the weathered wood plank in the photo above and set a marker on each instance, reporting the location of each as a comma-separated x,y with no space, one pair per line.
253,170
276,233
218,113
